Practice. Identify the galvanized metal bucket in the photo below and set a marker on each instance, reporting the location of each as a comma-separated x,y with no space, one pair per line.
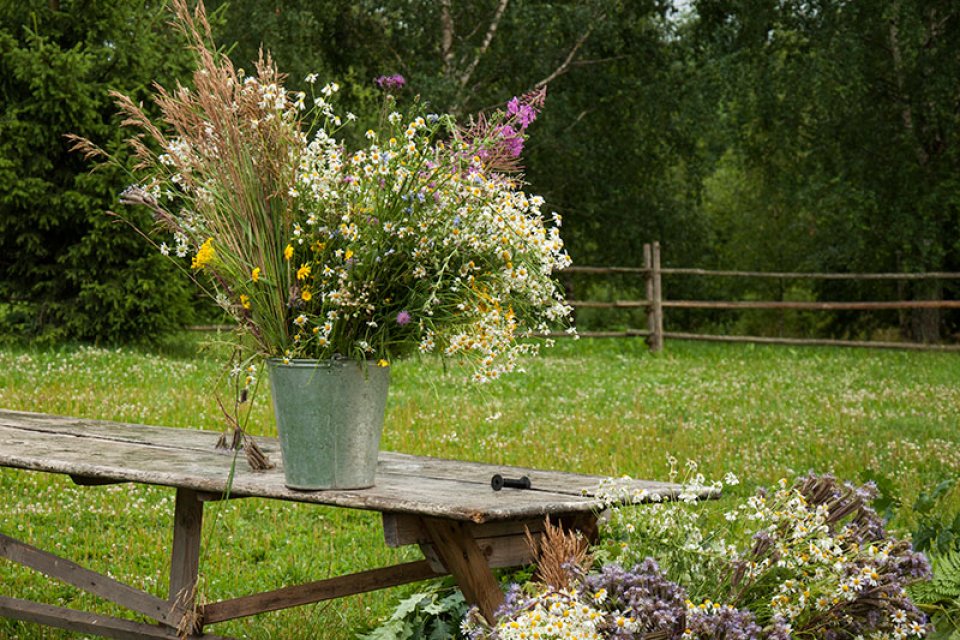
329,418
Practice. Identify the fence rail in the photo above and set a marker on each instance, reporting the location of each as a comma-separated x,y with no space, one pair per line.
781,275
764,304
655,303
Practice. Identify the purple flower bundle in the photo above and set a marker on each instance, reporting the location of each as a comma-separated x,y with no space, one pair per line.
498,140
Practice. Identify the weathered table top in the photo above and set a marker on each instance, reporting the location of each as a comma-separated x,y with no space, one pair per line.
186,458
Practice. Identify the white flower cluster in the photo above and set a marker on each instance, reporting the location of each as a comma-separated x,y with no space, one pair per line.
415,225
668,529
557,615
830,567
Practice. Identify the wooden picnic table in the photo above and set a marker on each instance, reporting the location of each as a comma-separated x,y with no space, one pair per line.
447,507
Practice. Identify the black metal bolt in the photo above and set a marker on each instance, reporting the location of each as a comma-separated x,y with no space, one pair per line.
499,482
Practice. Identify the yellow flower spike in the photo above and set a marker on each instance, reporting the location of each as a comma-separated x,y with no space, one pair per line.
288,252
244,301
205,255
255,274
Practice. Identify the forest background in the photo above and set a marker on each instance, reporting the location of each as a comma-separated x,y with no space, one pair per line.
769,135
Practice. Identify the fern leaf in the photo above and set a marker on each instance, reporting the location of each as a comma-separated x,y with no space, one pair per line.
946,572
944,587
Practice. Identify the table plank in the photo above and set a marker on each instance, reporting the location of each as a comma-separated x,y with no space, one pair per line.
92,623
187,458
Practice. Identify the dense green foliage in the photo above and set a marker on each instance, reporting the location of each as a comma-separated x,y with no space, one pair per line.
66,267
840,123
752,134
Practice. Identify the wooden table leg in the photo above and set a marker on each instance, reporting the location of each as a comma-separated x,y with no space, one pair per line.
185,559
462,557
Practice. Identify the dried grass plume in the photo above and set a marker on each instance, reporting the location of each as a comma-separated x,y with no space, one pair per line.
561,555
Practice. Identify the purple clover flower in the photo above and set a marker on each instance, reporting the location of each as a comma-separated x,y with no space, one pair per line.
391,83
403,318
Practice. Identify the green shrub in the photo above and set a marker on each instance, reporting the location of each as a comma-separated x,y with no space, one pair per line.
67,268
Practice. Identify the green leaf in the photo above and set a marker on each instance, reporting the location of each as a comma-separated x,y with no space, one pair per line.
927,500
887,501
434,608
409,605
442,630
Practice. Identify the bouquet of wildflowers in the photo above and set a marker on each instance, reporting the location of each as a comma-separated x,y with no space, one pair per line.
809,559
421,240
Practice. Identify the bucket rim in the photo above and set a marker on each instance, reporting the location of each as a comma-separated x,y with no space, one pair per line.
318,363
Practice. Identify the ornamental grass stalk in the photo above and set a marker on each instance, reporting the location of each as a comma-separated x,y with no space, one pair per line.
229,150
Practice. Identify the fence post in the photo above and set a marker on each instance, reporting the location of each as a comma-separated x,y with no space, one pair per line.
651,262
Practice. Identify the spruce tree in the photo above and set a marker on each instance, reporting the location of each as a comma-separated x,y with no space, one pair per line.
68,269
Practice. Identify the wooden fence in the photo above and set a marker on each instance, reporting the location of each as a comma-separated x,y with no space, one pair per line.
655,303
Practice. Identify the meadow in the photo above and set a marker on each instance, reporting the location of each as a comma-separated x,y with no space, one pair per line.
594,406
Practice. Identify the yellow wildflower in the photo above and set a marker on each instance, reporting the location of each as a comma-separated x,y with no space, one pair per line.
244,301
303,272
305,295
288,252
382,363
255,274
205,255
348,254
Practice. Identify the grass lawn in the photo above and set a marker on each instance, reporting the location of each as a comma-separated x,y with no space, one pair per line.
595,406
